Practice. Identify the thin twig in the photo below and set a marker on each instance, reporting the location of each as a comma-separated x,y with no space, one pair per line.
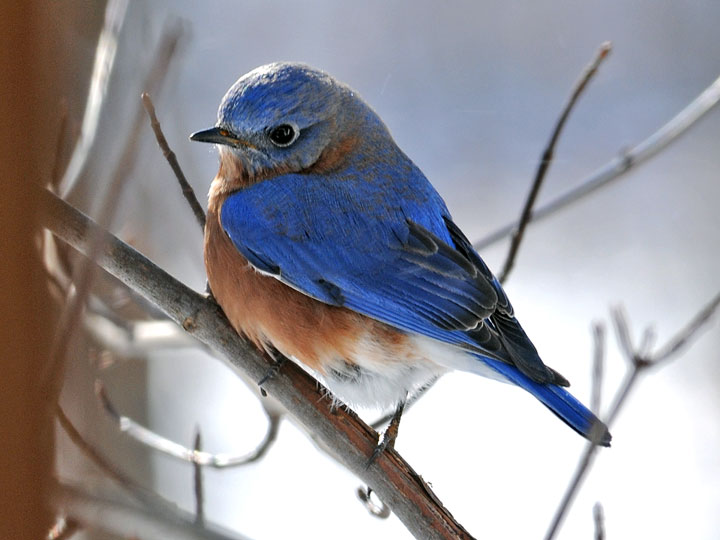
171,158
638,364
198,482
597,370
683,337
599,520
157,442
620,165
349,440
97,511
547,158
164,511
102,69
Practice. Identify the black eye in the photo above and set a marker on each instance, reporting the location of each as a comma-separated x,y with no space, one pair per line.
283,135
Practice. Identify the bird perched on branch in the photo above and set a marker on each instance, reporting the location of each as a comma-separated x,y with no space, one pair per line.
326,243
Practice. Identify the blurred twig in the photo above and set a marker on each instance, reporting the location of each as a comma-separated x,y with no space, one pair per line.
349,439
97,511
102,69
599,520
597,372
171,158
153,504
639,361
547,157
627,160
205,459
198,481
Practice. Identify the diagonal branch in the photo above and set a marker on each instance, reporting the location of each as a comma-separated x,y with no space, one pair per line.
171,158
349,439
627,160
105,55
547,157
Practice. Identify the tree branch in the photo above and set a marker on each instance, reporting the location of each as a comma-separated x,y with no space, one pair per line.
639,359
547,157
198,487
97,511
171,158
350,440
157,442
627,160
105,53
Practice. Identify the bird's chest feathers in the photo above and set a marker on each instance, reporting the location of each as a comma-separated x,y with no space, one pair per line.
268,311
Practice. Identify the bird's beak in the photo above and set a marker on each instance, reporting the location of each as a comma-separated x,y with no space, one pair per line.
218,135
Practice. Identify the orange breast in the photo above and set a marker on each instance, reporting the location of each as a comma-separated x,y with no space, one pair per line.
266,310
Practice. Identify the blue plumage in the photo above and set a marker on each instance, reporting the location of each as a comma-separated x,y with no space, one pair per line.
340,214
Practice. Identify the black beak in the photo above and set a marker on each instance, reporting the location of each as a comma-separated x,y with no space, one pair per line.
217,135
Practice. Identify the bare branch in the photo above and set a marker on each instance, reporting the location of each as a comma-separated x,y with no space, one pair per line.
685,335
157,442
198,482
349,439
102,69
621,164
171,158
598,360
638,364
547,157
152,504
97,511
599,520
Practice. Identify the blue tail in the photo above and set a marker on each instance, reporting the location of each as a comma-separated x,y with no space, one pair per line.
558,400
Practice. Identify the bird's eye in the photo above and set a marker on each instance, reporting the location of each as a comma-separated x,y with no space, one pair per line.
283,135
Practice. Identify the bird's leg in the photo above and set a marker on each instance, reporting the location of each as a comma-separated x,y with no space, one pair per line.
390,433
278,361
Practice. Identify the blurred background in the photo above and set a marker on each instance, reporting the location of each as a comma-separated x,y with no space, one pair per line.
470,91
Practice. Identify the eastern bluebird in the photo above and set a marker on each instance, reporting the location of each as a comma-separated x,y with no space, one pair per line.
325,242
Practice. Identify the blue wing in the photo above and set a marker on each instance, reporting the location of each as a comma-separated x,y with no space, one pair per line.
392,252
389,252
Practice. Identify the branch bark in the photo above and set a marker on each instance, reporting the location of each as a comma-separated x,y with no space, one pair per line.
349,439
547,157
620,165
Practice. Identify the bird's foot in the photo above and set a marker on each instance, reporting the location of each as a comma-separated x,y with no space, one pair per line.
278,360
389,435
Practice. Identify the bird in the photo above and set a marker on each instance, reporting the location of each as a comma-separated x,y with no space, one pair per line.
325,243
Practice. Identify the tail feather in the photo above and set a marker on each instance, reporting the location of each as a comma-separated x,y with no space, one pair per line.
561,402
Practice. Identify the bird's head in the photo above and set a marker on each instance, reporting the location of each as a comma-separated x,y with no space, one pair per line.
287,118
